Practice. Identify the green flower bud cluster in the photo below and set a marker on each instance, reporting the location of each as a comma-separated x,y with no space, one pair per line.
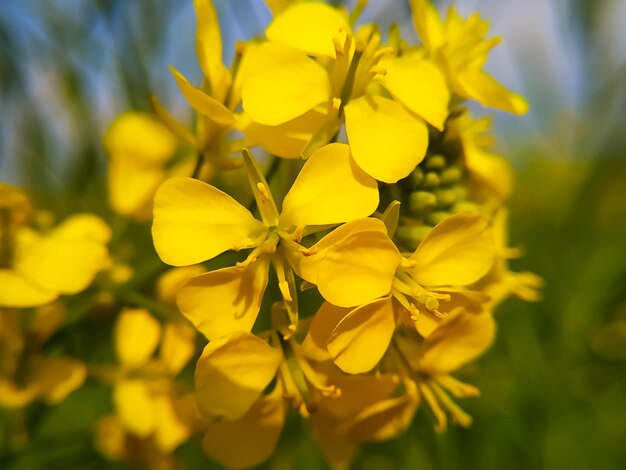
435,190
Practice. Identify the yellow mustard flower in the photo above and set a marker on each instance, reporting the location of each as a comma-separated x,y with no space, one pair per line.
314,74
460,339
216,101
26,373
459,47
500,283
231,378
194,222
490,175
145,399
362,267
139,147
35,268
364,407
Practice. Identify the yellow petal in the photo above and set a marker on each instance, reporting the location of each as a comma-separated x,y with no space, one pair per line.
277,6
132,186
289,139
141,138
359,392
488,92
169,282
178,346
281,84
458,340
203,103
209,47
361,339
321,328
306,264
137,335
58,377
194,222
419,85
225,300
330,189
358,268
232,373
43,259
386,141
110,437
427,23
384,419
20,292
46,320
309,27
171,430
458,251
338,451
135,407
492,172
250,440
83,227
11,396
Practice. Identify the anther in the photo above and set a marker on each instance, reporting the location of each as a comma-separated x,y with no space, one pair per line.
284,290
431,303
378,70
382,52
338,47
291,330
309,251
299,232
265,195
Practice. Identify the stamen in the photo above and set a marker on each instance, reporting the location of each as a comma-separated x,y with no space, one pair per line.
299,232
284,290
408,263
378,70
382,52
338,47
268,247
456,387
431,400
458,415
265,195
291,330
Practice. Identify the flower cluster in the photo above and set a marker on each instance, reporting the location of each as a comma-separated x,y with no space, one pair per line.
399,228
338,231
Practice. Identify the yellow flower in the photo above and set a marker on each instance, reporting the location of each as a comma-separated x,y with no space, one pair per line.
491,179
363,268
459,47
144,397
216,101
313,75
138,147
460,339
500,283
26,374
35,268
232,376
194,222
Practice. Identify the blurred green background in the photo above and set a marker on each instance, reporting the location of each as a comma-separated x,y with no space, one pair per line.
554,384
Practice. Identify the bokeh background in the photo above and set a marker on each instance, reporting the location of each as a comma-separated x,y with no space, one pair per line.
554,384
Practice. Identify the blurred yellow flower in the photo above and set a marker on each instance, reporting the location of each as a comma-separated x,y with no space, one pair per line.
35,266
138,147
460,49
